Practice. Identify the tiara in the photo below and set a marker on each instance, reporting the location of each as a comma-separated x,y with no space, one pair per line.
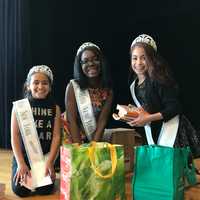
144,38
85,45
42,69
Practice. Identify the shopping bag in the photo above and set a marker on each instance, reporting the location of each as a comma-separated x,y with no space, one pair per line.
160,172
92,171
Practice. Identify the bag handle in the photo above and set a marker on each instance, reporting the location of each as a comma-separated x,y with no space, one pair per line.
190,168
113,156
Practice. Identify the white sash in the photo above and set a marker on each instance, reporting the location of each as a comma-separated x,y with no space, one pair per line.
85,109
31,142
168,131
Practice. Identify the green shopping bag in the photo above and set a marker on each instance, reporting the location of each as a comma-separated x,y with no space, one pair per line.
92,172
160,171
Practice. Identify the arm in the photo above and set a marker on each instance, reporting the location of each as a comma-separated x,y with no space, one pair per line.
169,101
72,113
22,170
55,144
164,102
103,117
145,118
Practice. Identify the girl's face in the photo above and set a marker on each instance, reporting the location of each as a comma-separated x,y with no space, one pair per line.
39,85
90,64
138,61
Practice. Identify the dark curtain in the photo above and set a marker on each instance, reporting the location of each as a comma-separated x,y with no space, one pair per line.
13,56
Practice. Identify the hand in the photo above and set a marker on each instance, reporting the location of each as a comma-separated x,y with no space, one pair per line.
141,120
21,174
50,171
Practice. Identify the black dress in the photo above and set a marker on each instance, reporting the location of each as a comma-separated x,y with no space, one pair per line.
156,97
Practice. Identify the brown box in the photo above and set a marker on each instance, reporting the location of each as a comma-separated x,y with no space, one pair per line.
129,138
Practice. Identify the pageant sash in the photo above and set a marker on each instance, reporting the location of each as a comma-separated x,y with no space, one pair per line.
85,109
147,127
31,142
168,131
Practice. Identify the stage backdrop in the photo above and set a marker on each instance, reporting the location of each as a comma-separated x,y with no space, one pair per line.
49,32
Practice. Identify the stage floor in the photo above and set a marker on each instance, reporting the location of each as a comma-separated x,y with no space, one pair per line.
192,193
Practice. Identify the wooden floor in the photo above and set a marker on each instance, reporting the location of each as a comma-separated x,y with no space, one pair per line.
192,193
5,172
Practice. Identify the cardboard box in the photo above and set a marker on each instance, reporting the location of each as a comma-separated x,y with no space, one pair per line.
129,138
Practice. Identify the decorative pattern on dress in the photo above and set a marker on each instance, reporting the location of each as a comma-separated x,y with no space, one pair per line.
98,96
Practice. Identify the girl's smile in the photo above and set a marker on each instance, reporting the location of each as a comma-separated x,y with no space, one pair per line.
39,85
90,64
138,61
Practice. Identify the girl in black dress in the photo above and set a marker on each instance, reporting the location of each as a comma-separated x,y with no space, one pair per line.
46,114
155,92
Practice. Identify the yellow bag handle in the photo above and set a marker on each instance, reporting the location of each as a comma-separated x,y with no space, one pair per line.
113,156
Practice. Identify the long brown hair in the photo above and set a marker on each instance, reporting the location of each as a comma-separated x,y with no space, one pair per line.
158,68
